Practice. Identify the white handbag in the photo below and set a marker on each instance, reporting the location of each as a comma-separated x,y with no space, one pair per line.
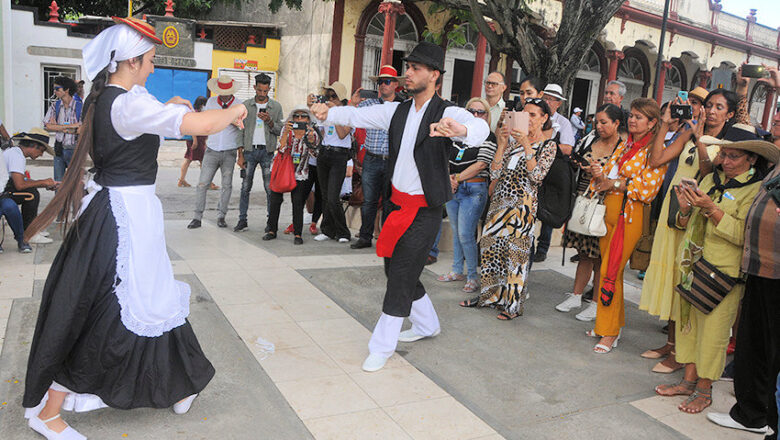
587,218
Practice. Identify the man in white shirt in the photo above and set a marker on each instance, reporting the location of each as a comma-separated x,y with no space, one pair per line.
495,85
577,123
221,152
418,186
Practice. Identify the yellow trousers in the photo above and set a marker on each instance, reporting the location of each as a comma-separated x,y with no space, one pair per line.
704,342
610,319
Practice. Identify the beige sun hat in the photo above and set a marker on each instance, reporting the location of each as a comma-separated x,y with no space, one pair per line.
37,135
340,90
222,86
743,137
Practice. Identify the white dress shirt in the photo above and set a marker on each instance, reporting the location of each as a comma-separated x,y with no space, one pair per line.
231,137
406,177
137,112
563,126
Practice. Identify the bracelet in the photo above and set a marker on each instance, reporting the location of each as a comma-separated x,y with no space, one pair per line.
681,215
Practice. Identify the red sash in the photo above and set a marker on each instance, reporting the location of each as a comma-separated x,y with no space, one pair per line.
398,221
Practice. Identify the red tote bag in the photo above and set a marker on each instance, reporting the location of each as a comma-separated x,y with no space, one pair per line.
282,174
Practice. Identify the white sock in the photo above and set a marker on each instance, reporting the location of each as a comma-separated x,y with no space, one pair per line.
425,322
384,339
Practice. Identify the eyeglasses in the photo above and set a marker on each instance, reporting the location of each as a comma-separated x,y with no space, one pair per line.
491,84
331,96
731,157
300,116
476,112
384,82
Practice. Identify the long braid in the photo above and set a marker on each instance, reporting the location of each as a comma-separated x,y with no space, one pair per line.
67,201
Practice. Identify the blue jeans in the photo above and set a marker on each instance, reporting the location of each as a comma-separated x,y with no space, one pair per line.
543,241
253,158
10,210
373,182
464,212
61,164
435,248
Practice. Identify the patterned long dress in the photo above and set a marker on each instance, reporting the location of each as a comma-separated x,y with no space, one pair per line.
508,232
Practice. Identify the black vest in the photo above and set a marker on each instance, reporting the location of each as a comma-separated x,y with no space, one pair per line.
119,162
431,154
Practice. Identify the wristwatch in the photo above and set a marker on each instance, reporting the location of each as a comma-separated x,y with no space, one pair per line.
616,184
529,156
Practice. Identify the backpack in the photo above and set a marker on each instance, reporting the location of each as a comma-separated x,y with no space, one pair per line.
76,100
557,192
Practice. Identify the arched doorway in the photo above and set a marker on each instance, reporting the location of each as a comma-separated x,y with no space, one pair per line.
757,103
634,72
459,64
587,83
696,82
406,37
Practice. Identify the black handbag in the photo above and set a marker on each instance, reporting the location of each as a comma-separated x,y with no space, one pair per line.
674,208
709,286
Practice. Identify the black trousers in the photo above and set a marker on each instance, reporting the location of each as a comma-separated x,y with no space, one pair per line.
331,170
298,196
312,182
404,268
29,207
757,359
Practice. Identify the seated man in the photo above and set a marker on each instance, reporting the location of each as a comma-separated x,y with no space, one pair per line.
23,190
11,212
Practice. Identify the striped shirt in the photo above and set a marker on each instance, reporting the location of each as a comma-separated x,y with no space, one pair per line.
66,116
463,156
376,140
761,256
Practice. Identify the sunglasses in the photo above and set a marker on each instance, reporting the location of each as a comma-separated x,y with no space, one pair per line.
331,96
535,101
689,159
384,82
57,88
300,116
476,112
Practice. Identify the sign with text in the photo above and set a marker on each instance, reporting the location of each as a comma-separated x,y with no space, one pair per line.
178,48
238,63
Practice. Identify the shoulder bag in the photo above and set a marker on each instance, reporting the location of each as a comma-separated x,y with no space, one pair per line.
587,217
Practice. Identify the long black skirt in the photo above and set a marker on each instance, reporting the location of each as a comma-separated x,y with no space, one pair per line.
81,343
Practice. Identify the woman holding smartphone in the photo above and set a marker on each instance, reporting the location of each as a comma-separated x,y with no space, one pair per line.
521,162
300,140
597,150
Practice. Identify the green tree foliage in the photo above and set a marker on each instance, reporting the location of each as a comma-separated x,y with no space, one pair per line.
75,8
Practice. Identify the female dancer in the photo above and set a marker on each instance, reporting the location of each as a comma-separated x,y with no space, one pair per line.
112,328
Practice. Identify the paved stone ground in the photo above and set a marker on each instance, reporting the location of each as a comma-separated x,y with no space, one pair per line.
534,377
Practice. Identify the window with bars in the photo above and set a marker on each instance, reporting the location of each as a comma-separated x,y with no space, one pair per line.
235,38
49,73
246,82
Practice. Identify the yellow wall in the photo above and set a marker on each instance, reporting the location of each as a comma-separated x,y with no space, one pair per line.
267,57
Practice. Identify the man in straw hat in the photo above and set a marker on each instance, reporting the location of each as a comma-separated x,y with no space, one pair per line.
420,135
757,361
24,191
377,152
221,152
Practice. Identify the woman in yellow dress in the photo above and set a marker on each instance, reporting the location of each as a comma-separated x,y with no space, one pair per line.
693,159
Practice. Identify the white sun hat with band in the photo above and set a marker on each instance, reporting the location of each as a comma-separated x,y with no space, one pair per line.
222,86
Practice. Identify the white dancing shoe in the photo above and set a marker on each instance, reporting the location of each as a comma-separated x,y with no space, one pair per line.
40,427
411,336
374,362
183,406
572,301
589,314
725,420
40,239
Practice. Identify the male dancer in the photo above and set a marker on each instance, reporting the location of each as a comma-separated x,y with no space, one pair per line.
418,186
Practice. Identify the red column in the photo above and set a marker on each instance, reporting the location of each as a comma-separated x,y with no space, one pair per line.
659,88
704,78
335,41
614,57
479,67
769,104
391,9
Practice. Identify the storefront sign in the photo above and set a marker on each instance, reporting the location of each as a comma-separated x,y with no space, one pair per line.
244,64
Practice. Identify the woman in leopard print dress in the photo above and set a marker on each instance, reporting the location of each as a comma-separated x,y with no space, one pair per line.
520,165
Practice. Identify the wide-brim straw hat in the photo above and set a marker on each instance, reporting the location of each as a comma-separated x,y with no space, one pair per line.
146,29
388,72
338,88
700,93
743,137
222,86
37,135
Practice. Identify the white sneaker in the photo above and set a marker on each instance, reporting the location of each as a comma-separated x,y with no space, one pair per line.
40,239
374,362
725,420
321,237
589,314
572,301
411,336
342,240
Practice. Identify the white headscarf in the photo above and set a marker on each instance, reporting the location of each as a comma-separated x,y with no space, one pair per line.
117,43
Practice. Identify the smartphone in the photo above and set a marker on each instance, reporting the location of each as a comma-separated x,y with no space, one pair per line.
690,183
299,125
369,94
681,111
262,110
753,71
578,158
517,104
517,121
683,95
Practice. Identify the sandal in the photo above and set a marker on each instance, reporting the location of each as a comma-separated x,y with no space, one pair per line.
668,365
604,349
504,316
687,386
698,393
452,276
473,302
592,333
658,353
471,286
183,184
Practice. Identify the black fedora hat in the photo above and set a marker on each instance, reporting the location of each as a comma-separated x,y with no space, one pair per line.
429,54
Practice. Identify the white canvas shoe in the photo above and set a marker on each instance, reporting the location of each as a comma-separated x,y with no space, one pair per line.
589,314
725,420
374,362
184,405
411,336
40,427
572,301
321,237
